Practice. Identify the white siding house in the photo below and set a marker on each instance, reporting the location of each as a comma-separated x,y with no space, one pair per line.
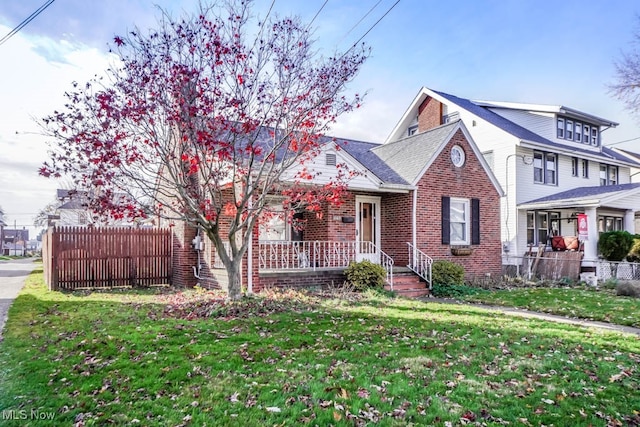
551,162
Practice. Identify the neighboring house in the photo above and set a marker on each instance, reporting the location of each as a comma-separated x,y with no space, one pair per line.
74,210
427,196
2,226
635,177
551,162
14,241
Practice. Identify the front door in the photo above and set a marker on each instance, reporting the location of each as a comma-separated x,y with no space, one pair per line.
368,228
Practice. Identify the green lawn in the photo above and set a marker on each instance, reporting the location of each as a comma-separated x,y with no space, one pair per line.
288,359
585,303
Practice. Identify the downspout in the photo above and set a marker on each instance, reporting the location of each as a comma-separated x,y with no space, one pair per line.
414,219
196,246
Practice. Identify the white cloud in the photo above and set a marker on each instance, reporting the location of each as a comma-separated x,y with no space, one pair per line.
36,73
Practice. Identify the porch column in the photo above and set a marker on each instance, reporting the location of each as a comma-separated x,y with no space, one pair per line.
591,244
630,221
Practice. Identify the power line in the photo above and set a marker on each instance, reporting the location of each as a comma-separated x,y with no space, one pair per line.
318,13
620,142
374,25
26,21
361,19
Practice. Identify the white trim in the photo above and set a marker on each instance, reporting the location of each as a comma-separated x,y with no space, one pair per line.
375,200
467,220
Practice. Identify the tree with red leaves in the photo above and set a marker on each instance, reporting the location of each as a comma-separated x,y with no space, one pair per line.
202,119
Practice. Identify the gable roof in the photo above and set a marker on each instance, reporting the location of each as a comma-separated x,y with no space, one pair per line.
482,110
411,157
364,153
586,196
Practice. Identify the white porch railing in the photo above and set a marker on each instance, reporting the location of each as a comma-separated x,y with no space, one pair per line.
420,263
318,254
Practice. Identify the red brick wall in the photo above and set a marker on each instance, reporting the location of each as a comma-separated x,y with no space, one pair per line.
328,225
468,181
396,226
429,114
308,279
184,257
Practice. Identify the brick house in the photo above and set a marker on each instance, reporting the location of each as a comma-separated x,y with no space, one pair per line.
429,196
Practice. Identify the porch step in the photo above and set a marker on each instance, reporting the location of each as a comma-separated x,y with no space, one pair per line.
408,285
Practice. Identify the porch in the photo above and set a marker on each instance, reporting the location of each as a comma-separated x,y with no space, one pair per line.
300,263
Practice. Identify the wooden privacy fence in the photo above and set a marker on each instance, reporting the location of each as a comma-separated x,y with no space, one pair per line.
106,257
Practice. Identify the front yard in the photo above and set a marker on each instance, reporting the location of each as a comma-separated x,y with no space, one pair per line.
188,358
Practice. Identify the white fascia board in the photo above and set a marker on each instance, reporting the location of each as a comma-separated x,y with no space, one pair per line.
613,197
476,152
561,204
409,114
596,155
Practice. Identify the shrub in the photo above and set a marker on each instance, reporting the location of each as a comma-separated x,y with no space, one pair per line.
615,245
634,252
447,273
628,288
365,274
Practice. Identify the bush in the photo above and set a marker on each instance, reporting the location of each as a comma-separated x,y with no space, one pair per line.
615,245
365,275
634,252
628,288
447,273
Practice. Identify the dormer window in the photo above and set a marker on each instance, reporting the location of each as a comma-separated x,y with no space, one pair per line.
560,128
577,134
569,132
574,130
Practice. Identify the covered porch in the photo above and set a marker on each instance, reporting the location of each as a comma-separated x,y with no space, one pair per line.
581,214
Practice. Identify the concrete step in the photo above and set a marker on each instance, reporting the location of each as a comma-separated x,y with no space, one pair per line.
412,293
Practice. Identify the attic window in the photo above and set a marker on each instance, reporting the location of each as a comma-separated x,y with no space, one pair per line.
412,130
330,159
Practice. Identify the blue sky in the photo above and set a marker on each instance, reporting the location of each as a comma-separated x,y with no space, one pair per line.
535,51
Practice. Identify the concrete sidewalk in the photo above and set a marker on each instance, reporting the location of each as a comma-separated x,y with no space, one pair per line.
13,274
542,316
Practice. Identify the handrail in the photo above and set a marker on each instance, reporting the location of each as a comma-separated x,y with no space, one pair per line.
314,254
420,263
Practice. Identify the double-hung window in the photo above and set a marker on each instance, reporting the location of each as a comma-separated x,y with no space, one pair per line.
560,133
460,221
574,166
585,168
608,174
545,168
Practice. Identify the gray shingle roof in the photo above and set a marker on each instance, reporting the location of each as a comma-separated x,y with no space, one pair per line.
364,152
582,192
525,134
410,155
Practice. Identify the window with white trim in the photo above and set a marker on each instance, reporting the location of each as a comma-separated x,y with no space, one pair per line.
560,133
577,134
585,168
569,128
545,168
574,166
608,175
578,131
459,221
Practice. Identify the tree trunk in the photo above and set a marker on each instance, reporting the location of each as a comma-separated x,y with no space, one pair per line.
235,281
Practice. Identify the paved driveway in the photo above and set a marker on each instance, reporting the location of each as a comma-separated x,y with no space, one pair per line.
12,276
